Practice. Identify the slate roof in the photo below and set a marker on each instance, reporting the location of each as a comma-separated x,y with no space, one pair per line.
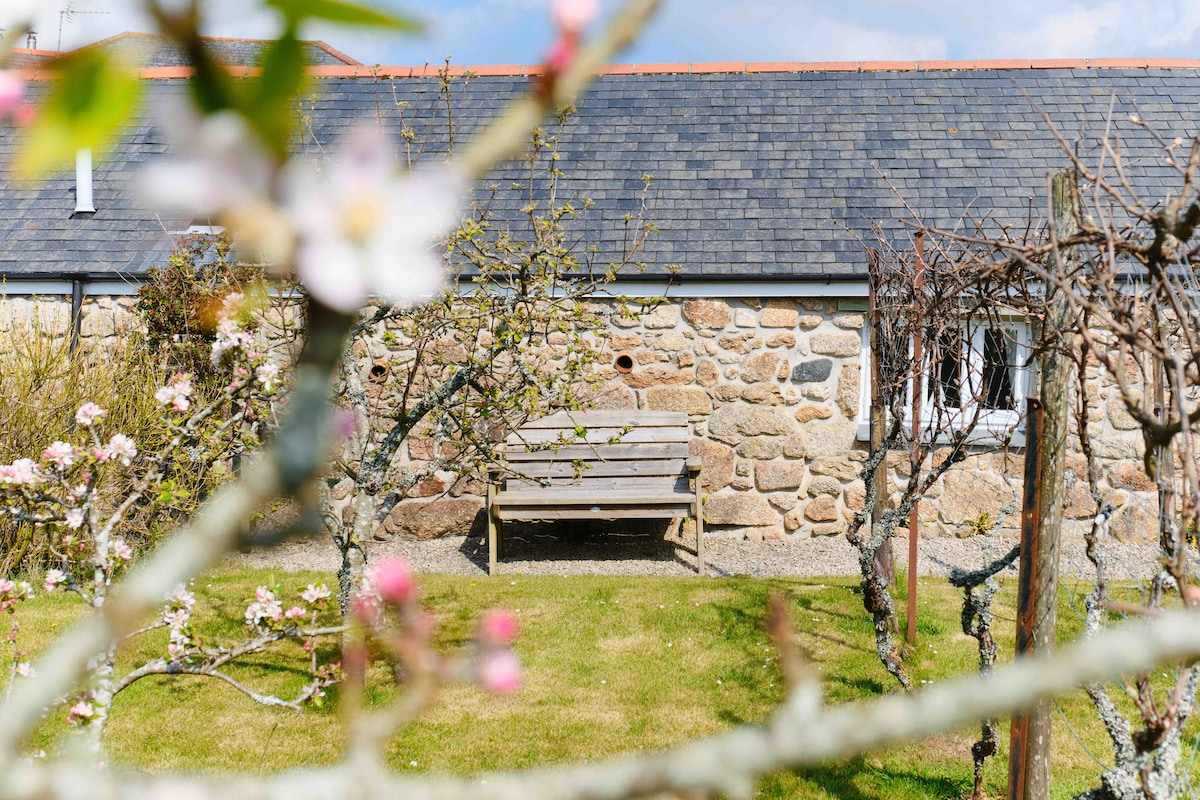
757,176
156,50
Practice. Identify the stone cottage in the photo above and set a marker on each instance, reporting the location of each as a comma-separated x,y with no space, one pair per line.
767,178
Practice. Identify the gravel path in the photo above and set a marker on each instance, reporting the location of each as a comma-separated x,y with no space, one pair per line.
534,553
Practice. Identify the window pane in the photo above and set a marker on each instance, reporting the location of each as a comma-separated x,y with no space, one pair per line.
947,369
997,372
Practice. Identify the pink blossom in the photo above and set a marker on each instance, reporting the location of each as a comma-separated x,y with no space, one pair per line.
572,16
7,586
81,713
54,578
88,413
122,550
364,229
74,518
498,627
12,93
60,454
500,672
181,596
267,375
394,580
122,447
22,472
315,594
295,612
165,395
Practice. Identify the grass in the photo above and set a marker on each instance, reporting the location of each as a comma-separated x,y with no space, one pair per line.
611,665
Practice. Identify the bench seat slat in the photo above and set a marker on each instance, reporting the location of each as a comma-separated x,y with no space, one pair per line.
551,513
649,467
615,418
666,484
572,496
610,452
600,437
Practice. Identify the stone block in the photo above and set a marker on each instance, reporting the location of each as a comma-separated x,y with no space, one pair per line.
740,343
1129,475
809,321
727,391
812,371
706,373
777,317
678,398
657,376
822,509
782,340
685,359
716,463
838,468
1119,416
824,484
745,318
772,476
761,448
810,411
760,367
662,317
843,345
848,390
791,521
625,341
850,322
968,493
855,496
763,394
707,314
733,423
829,439
671,342
458,516
784,501
739,508
795,446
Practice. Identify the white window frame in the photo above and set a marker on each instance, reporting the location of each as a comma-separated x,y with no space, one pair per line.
994,426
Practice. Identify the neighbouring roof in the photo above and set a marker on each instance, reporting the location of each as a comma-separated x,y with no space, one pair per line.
156,50
761,171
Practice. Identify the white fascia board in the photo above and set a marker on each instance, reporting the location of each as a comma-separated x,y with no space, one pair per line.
14,286
733,289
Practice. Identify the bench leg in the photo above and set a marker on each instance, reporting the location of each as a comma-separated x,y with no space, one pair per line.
493,542
699,534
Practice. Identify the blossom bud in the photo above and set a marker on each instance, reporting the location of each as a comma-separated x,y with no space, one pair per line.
572,16
394,579
497,627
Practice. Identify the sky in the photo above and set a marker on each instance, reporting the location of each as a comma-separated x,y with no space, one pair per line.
477,32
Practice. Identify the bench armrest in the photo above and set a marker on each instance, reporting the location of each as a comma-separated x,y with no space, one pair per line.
693,465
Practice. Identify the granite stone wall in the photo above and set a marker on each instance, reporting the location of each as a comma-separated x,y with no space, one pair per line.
772,389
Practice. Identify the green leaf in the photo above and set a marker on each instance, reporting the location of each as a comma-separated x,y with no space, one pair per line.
342,13
271,102
93,95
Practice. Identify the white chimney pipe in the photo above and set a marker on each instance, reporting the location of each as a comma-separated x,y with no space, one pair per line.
83,181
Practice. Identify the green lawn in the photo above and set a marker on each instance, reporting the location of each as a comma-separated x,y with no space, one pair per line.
611,664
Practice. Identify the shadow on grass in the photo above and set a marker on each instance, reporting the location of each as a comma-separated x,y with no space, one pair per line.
859,780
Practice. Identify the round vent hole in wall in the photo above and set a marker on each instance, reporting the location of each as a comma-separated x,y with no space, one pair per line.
624,363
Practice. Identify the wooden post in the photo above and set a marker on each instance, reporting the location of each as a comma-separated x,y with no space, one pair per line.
914,516
885,557
1037,603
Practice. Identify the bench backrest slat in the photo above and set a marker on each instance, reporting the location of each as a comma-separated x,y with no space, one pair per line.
648,444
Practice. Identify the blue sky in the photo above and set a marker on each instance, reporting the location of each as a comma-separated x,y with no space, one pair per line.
515,31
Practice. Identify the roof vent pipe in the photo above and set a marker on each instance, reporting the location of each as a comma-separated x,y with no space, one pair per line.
83,181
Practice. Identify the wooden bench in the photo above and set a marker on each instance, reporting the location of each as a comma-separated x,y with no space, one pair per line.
596,465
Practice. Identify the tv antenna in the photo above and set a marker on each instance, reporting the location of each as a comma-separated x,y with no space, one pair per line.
68,15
